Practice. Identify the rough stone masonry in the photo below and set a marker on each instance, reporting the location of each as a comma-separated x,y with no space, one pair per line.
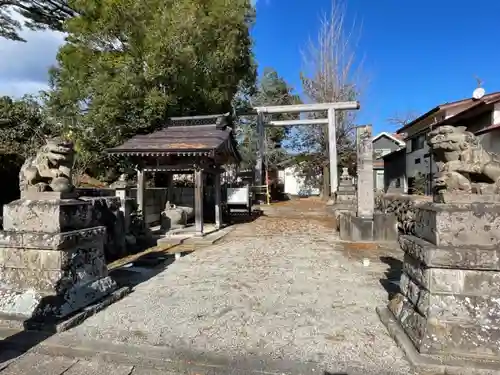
449,304
51,250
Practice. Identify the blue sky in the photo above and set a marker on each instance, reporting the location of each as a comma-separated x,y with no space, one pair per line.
417,54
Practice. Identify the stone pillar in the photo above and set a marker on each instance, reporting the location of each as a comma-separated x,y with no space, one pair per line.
218,208
259,162
141,192
332,150
365,194
198,201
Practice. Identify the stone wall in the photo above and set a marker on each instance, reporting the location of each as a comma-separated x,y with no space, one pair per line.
403,206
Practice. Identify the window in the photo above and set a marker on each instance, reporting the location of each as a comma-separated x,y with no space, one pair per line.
417,161
398,183
417,143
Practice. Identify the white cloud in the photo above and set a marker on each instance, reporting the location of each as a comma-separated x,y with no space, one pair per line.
24,66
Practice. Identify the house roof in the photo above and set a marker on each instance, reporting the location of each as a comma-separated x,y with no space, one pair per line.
467,103
210,138
394,137
488,129
479,107
393,153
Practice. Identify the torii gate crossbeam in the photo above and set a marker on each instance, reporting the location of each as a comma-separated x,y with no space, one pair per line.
303,108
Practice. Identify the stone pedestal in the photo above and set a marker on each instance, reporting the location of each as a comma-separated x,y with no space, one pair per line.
346,192
381,228
52,260
449,306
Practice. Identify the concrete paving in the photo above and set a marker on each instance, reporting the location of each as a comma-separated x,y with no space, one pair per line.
279,295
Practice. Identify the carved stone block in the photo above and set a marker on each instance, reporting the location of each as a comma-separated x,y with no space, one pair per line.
440,337
36,306
476,257
449,280
450,307
47,216
459,224
48,276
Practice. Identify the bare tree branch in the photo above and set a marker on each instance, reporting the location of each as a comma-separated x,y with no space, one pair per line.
402,119
332,72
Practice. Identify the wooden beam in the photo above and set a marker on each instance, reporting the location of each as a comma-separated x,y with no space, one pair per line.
320,121
198,201
308,107
182,169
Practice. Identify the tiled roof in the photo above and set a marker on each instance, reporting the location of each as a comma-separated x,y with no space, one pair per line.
466,103
183,140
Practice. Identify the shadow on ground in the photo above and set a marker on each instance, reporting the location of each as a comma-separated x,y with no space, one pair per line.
15,342
143,268
392,275
241,217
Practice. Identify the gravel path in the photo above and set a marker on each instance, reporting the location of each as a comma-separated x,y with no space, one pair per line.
268,290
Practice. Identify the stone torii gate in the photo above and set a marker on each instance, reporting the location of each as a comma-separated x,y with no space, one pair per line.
303,108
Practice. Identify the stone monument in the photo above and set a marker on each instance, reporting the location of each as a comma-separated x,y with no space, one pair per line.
346,191
447,313
53,271
364,224
365,198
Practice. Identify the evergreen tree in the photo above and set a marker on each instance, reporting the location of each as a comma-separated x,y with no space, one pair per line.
128,65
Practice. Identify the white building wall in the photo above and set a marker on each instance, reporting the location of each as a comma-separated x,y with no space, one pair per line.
295,184
495,116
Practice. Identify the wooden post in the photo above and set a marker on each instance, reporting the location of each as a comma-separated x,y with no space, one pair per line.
332,150
217,192
141,192
170,187
198,201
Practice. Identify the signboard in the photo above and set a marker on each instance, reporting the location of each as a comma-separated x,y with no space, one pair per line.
238,196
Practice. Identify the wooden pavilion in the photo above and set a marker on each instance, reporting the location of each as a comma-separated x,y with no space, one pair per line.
200,145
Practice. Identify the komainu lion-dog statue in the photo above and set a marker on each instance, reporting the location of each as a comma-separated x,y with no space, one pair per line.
49,169
463,165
